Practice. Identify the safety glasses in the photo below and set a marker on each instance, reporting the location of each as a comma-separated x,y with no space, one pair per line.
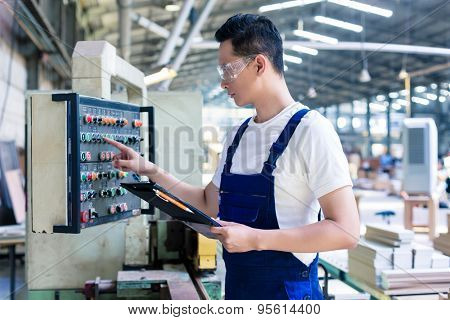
230,71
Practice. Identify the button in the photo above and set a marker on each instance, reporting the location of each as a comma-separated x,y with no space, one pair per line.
84,216
89,176
103,193
125,122
102,156
122,174
124,207
88,137
118,208
83,177
94,176
112,209
137,123
83,137
88,118
82,197
108,156
88,156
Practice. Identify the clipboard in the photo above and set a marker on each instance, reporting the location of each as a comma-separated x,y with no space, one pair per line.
178,209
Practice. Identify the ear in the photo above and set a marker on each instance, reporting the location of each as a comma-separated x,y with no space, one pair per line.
261,63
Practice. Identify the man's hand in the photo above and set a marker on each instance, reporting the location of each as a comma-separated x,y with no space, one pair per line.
236,237
130,160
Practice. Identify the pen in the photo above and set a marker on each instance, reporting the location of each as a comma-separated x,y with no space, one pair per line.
164,196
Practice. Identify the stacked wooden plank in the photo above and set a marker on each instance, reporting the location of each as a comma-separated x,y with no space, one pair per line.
390,248
439,261
395,236
369,258
434,279
422,256
442,243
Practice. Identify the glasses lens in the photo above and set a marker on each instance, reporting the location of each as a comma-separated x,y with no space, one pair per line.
230,71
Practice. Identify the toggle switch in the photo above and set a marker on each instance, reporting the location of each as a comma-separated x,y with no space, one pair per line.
93,213
112,174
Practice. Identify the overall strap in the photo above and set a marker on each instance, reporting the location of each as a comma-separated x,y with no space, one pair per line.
233,146
280,145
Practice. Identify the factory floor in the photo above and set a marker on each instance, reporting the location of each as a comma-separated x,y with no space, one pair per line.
370,203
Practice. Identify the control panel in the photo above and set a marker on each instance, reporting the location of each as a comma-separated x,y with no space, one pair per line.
94,193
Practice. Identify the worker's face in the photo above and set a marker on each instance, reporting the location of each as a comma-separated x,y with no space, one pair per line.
238,78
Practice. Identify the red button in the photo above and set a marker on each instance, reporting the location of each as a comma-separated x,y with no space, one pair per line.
88,118
88,156
84,215
89,176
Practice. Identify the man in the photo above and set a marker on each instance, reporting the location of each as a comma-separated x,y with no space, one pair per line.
276,172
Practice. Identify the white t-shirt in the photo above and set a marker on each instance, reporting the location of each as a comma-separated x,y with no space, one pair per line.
312,165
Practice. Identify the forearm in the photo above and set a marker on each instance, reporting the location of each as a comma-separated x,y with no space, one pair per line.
325,235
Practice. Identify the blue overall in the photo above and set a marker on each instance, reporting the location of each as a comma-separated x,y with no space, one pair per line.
249,199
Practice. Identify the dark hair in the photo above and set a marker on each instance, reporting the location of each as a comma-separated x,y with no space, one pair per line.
253,34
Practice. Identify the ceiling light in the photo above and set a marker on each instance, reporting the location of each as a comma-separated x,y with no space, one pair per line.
420,89
380,97
356,123
315,36
364,76
312,93
341,122
403,74
172,7
433,86
306,50
431,96
286,5
393,95
402,102
442,99
363,7
292,59
339,23
164,74
418,100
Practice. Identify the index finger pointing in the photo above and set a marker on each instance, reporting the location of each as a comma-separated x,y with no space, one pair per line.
116,144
